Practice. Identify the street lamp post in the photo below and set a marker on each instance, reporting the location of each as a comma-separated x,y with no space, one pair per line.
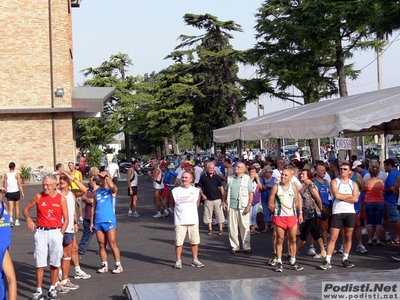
260,107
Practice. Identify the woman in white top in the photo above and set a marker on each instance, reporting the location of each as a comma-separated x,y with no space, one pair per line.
14,192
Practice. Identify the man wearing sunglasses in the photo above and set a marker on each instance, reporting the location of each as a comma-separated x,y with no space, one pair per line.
345,193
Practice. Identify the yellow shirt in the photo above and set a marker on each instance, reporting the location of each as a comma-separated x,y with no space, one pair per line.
76,175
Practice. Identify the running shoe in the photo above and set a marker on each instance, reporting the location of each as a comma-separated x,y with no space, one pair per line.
103,269
364,231
136,214
178,264
340,251
61,289
17,222
325,265
311,251
279,268
69,285
38,296
296,267
214,222
118,269
130,214
273,260
197,264
158,215
347,264
170,210
320,255
360,248
165,213
82,275
52,295
12,223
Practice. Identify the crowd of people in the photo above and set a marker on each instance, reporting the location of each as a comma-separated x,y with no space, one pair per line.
304,203
59,210
307,203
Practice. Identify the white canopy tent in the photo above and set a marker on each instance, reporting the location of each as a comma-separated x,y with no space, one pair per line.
362,114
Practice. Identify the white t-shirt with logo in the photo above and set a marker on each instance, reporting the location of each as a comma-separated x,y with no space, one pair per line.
185,211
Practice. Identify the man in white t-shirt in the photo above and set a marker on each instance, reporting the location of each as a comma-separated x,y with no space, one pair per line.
186,219
278,172
198,171
113,170
375,163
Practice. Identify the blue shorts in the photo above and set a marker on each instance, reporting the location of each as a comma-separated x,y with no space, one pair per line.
392,212
374,212
104,226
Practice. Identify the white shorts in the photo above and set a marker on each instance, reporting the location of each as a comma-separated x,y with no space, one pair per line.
48,242
193,234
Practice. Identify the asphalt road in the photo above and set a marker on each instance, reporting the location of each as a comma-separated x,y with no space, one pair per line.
147,254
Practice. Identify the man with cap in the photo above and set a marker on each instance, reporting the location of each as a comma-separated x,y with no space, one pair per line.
359,167
187,167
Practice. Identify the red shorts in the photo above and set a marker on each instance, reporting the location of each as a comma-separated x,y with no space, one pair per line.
285,222
165,191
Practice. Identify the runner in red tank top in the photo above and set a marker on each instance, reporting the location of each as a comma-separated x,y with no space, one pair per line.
51,211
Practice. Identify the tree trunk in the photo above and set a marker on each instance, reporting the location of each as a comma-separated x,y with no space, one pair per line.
128,146
314,150
174,144
340,69
166,146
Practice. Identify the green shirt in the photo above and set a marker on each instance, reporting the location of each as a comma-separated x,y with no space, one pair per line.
235,189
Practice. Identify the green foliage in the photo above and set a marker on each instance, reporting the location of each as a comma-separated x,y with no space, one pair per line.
97,131
205,76
94,156
24,172
120,109
108,150
304,44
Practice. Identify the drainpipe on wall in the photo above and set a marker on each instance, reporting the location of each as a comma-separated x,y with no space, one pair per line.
53,135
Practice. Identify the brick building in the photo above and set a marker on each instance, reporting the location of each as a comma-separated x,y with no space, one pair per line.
38,103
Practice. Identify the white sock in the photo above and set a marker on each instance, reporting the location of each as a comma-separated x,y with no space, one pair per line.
78,269
118,263
39,290
328,258
345,256
292,260
279,260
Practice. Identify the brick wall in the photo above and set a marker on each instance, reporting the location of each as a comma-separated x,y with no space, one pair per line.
25,81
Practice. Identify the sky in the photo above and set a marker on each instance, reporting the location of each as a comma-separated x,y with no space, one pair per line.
148,30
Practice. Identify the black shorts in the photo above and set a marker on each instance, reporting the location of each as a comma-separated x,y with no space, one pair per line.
14,196
134,191
348,220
